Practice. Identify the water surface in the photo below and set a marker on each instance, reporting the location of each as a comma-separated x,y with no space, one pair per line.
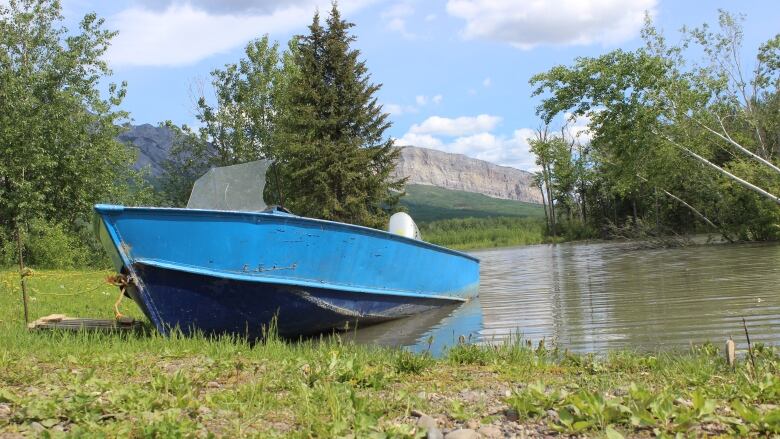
592,297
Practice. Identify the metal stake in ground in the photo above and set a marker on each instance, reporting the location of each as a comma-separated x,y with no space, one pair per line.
22,273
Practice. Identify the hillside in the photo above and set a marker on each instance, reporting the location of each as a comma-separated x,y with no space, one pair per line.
430,203
459,172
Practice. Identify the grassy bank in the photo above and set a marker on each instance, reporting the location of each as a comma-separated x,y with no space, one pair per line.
474,233
431,203
149,386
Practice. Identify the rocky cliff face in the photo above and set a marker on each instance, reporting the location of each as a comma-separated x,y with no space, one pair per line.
459,172
421,165
153,144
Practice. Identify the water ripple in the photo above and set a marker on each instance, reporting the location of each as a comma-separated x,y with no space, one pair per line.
595,297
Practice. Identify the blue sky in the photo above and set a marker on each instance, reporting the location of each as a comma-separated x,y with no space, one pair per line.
454,72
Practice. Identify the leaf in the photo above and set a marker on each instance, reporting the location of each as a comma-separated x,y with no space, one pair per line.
49,423
6,396
581,425
613,434
566,417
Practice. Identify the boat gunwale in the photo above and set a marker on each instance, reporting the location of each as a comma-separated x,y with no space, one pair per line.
307,283
108,209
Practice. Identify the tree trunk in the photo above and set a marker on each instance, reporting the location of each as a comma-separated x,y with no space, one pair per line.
22,272
744,150
544,204
733,177
551,200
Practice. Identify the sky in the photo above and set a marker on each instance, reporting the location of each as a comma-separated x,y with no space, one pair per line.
454,73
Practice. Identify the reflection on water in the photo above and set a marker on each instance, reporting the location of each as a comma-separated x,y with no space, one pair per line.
593,297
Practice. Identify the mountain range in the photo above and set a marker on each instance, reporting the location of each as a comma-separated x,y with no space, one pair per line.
422,166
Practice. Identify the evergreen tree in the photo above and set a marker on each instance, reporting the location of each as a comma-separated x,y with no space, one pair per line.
334,159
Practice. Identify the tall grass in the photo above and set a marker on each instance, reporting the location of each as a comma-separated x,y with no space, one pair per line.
472,233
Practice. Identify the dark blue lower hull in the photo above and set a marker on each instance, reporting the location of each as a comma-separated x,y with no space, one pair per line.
215,305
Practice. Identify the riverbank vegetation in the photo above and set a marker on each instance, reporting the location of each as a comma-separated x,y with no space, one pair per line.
142,384
478,233
430,203
672,137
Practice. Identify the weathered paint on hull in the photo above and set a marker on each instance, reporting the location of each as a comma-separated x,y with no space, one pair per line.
190,301
232,272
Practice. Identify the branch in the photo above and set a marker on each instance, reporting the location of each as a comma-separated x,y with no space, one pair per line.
694,210
742,182
728,138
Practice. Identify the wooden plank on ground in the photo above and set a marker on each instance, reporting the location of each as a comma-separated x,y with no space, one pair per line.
63,322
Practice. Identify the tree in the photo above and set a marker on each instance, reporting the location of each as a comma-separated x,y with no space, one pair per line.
333,156
240,128
661,124
236,128
57,133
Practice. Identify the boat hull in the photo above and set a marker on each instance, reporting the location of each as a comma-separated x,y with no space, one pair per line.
200,303
236,272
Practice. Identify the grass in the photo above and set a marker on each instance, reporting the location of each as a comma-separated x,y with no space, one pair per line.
98,385
472,233
430,203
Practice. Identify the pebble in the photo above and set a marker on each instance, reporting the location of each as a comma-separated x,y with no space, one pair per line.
472,424
427,422
213,385
37,427
491,431
5,411
511,415
434,433
463,433
472,396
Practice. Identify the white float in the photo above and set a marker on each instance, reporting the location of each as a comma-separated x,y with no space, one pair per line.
402,224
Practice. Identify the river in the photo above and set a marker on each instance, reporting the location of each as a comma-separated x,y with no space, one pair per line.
593,297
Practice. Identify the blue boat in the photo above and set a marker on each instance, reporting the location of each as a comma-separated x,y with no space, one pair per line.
221,271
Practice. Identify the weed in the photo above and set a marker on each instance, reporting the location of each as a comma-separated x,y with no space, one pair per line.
409,362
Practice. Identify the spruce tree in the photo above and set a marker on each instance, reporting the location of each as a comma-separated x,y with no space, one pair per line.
333,154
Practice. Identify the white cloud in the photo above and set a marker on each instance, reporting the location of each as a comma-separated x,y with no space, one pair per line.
398,110
419,102
395,17
186,32
430,17
393,109
577,127
459,126
421,140
527,24
225,6
486,82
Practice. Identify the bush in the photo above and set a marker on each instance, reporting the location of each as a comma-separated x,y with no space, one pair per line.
468,233
53,245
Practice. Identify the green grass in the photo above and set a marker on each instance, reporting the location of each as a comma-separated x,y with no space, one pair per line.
104,385
472,233
430,203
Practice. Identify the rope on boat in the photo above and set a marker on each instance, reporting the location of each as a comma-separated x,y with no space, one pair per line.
122,281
